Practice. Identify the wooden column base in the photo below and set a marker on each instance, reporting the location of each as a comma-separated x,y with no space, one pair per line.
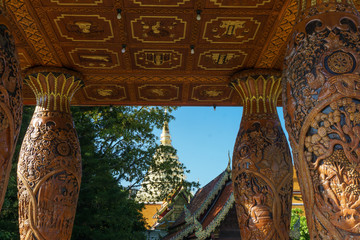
49,168
262,168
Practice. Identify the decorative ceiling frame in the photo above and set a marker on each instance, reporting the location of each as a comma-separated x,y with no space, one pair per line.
142,48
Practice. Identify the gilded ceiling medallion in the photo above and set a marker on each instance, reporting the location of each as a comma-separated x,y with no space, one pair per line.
105,92
84,28
94,58
158,59
211,93
231,30
159,92
221,59
156,29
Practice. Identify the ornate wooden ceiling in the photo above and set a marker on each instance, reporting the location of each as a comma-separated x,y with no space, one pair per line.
157,67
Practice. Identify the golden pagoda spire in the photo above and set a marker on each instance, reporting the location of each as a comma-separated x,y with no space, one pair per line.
165,137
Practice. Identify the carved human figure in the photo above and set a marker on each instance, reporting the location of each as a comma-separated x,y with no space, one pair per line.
322,115
259,212
49,168
262,168
10,101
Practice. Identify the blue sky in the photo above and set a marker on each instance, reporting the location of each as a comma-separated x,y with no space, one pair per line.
203,137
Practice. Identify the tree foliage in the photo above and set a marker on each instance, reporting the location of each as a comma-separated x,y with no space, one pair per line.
298,225
117,147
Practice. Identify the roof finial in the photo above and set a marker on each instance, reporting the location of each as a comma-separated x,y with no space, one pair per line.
165,138
228,166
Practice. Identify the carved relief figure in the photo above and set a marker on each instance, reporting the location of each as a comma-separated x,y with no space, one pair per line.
321,109
262,169
10,102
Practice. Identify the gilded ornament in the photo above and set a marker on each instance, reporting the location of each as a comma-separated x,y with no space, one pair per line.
85,27
104,92
222,58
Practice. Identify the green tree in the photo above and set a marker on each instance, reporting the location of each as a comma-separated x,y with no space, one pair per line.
117,147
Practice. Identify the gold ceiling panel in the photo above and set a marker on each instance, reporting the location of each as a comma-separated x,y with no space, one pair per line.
175,52
211,93
94,58
159,92
221,59
232,30
83,28
105,92
159,29
152,59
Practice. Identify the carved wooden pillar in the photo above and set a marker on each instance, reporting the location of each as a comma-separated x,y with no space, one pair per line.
49,168
322,113
10,101
262,167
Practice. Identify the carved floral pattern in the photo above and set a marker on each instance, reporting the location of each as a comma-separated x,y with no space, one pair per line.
10,105
333,140
322,114
49,168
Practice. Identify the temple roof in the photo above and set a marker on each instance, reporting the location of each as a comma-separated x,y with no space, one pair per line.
210,206
206,210
148,213
151,52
